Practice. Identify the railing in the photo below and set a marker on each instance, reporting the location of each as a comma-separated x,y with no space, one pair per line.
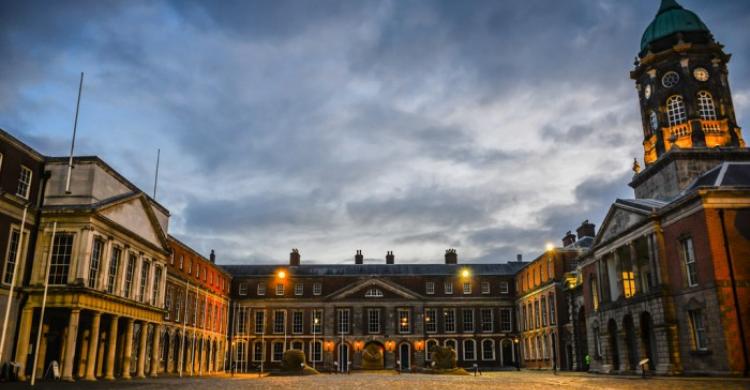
714,126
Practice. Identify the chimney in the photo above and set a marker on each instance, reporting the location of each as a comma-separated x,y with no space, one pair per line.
294,257
451,257
358,258
519,257
389,257
569,239
587,229
212,257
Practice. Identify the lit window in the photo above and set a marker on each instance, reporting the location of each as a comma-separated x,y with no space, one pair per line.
24,183
317,288
676,110
374,293
485,287
430,288
430,321
316,321
706,108
628,283
688,256
299,289
404,323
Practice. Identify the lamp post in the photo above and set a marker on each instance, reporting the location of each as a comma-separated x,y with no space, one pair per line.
518,354
315,328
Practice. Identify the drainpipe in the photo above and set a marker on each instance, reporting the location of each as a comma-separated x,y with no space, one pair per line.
734,291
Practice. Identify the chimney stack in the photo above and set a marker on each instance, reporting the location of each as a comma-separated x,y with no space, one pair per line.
212,257
519,257
294,257
587,229
358,258
569,239
389,257
451,257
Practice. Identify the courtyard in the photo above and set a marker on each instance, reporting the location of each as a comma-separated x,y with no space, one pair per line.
392,381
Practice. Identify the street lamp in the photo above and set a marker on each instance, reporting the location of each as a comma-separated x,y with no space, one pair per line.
518,354
316,320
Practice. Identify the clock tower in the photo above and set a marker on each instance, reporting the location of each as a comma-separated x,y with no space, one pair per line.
688,117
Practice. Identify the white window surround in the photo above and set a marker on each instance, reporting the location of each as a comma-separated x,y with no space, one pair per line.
374,293
472,355
429,288
486,349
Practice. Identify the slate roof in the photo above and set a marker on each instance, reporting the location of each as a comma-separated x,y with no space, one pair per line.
726,174
647,205
505,269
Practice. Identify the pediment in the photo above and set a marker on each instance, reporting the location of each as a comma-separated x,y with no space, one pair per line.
134,214
619,219
360,289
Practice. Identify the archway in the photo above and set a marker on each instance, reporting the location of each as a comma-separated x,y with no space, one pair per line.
372,356
630,342
176,342
647,339
404,355
614,350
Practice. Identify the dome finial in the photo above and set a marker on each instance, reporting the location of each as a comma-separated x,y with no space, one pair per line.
666,5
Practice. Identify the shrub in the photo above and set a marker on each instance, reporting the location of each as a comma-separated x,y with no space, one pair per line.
292,360
444,358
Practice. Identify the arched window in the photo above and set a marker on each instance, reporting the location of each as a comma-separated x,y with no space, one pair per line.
316,351
676,110
488,349
706,108
452,344
470,347
431,345
374,293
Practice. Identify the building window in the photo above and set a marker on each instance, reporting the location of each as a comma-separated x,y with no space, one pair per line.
258,350
449,320
60,264
504,288
485,287
279,288
429,288
544,347
182,261
448,287
544,311
297,322
299,288
260,322
506,322
10,262
552,309
538,350
260,289
467,287
706,108
114,265
96,261
374,293
317,288
404,321
24,182
242,320
145,268
430,348
597,342
279,321
468,320
278,351
430,321
594,292
486,316
470,350
197,271
343,317
239,358
688,256
488,349
698,331
524,321
316,351
157,286
177,307
317,321
676,110
242,289
537,314
373,320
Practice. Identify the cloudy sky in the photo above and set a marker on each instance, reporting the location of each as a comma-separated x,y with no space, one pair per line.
489,126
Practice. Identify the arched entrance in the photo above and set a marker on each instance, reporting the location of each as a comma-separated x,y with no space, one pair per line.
343,357
647,339
630,342
614,350
404,355
372,356
176,343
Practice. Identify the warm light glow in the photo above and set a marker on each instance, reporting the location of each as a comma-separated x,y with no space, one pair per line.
465,273
419,345
550,247
281,274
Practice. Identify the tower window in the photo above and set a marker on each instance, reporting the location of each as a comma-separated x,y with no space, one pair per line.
676,110
653,122
706,108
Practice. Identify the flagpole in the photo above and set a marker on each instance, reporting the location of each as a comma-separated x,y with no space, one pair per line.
44,304
156,175
73,142
19,247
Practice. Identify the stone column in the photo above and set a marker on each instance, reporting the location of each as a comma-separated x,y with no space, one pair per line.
22,348
70,345
93,345
100,353
111,350
82,352
141,369
155,353
128,357
42,352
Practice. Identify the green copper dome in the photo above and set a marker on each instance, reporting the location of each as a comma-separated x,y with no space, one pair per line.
670,19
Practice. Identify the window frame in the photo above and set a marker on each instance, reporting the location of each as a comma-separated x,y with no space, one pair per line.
27,184
429,288
687,249
473,350
491,349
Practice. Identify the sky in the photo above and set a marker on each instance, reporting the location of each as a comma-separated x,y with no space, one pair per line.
491,127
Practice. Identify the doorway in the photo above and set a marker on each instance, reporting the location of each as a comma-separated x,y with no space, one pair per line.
343,357
404,354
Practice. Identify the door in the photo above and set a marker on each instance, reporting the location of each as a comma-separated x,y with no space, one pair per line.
343,357
404,352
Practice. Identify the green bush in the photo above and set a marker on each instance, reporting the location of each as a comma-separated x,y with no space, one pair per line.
292,360
444,358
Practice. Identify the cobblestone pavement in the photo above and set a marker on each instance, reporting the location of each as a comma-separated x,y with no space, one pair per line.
391,381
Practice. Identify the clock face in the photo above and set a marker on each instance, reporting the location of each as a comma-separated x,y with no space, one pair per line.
647,91
700,74
670,79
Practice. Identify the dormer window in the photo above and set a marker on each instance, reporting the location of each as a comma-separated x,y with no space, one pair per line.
374,293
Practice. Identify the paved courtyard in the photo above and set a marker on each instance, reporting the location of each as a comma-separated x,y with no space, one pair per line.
391,381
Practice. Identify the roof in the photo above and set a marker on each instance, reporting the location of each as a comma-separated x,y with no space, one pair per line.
726,174
671,19
506,269
647,205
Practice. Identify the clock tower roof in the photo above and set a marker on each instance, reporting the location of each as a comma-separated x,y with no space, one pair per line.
671,19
